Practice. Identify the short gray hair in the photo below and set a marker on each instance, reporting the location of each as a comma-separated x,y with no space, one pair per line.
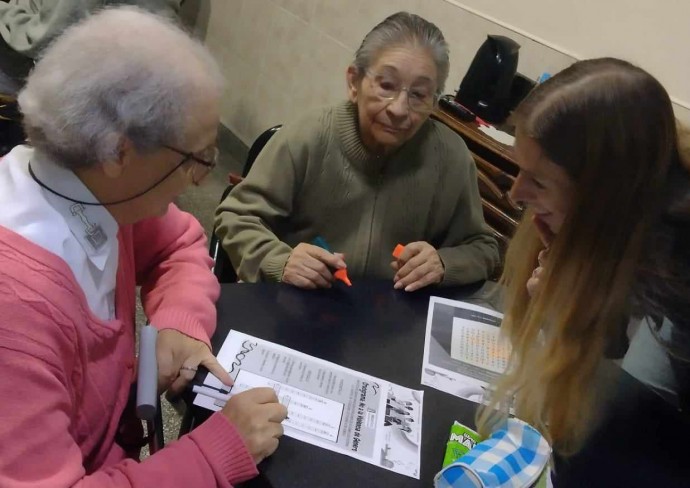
122,72
405,29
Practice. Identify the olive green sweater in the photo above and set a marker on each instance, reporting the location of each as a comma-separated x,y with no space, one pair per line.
316,178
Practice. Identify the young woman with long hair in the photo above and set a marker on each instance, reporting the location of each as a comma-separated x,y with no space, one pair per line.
605,243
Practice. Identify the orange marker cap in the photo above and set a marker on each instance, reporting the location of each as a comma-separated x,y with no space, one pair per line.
398,251
341,275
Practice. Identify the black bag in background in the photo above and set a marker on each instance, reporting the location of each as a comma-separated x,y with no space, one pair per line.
11,132
14,68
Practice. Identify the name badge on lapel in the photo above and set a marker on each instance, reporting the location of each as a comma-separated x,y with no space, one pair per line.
94,233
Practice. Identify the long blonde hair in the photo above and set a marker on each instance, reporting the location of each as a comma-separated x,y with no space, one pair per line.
611,126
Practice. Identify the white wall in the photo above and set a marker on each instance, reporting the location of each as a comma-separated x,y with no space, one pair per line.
652,34
284,56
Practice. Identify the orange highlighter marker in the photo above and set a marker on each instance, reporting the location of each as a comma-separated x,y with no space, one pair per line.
398,251
340,274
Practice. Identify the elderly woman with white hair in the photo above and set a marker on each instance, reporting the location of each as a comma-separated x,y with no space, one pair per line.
117,132
366,175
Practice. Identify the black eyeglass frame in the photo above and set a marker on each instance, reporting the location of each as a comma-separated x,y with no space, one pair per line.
186,157
190,156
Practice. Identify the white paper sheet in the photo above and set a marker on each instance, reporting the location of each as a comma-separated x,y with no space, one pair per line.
463,351
329,406
497,135
479,344
309,413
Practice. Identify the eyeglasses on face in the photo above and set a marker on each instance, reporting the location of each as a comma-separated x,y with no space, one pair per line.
205,161
386,86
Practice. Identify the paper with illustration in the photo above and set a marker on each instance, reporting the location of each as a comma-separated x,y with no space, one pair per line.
463,349
329,406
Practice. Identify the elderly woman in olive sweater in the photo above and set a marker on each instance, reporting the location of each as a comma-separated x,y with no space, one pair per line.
366,175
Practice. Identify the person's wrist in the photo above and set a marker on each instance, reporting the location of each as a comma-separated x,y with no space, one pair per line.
443,268
282,273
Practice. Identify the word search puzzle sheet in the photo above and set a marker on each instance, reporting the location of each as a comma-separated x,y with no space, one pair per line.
464,350
307,412
479,344
328,405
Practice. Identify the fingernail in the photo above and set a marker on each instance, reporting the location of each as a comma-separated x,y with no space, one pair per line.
408,288
397,286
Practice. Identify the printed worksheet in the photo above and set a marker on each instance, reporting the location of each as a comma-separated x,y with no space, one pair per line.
479,344
329,406
463,348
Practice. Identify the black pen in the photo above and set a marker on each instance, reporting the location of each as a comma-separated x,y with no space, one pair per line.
222,394
198,386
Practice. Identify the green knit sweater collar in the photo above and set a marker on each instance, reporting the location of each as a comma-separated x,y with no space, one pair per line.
347,129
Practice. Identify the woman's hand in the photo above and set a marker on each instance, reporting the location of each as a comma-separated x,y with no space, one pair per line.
418,266
547,237
257,415
533,283
310,267
179,356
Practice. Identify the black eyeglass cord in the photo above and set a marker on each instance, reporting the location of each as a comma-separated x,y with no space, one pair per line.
101,204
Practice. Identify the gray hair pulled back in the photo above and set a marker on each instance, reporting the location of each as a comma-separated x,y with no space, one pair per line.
122,72
405,29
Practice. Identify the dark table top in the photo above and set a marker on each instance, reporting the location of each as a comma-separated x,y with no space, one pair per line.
380,331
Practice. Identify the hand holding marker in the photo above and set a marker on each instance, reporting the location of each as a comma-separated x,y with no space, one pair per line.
397,252
339,274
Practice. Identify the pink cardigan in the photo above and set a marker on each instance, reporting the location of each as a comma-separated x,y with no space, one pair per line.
65,375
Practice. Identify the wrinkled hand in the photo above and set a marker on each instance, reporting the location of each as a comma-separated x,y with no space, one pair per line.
310,267
179,356
418,266
257,415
